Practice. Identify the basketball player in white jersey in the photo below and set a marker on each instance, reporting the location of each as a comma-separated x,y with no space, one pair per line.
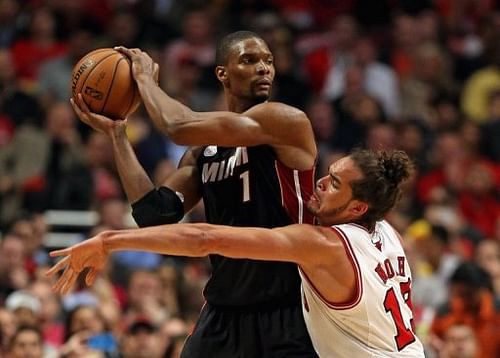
356,281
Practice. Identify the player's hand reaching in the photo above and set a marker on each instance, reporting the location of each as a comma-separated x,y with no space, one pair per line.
142,63
99,122
87,254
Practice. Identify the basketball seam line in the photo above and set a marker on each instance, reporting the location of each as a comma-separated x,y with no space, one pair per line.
111,83
93,68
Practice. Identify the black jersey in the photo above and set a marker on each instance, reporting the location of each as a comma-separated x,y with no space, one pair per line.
249,186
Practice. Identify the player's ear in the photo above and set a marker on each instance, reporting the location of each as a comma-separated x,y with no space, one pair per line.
221,73
359,208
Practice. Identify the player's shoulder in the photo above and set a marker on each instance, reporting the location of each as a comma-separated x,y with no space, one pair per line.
279,109
350,228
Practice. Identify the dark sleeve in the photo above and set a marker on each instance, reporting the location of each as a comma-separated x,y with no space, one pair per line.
159,206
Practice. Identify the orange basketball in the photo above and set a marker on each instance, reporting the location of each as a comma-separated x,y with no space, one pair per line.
104,78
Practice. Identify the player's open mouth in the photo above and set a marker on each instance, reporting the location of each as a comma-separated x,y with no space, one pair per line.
314,198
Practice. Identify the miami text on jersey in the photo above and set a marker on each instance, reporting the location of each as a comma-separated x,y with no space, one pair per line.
216,171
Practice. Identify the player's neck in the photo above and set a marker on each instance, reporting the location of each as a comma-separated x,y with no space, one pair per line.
238,104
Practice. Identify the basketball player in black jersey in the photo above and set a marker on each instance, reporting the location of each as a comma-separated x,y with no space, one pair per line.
252,165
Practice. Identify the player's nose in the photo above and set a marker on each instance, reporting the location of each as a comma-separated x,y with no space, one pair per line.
320,184
263,67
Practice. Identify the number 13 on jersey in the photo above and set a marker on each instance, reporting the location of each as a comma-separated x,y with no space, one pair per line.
404,335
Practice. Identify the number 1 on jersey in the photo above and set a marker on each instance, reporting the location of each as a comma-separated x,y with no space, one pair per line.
246,185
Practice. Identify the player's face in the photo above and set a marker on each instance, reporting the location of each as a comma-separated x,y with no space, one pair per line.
250,70
332,202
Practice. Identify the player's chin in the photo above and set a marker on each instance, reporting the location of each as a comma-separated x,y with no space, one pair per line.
261,96
312,206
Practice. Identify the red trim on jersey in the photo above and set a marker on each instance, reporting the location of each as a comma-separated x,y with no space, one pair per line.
357,271
296,189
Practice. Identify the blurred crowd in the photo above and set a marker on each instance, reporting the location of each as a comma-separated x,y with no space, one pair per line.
422,76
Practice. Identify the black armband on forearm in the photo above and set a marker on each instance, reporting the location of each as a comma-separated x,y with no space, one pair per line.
159,206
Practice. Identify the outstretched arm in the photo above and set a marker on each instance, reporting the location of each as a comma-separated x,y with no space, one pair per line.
302,244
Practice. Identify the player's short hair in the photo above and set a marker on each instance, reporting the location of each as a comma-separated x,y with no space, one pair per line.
227,42
383,172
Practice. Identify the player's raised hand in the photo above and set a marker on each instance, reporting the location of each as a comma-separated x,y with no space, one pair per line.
142,63
99,122
87,254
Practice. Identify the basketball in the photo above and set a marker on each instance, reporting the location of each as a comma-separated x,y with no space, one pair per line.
104,78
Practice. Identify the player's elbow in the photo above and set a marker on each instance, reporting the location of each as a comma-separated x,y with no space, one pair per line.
205,244
214,243
173,129
193,243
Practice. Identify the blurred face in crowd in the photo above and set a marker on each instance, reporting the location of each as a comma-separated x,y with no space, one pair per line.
60,120
364,51
479,179
322,118
113,214
12,252
144,287
381,136
24,229
26,316
460,342
7,71
123,28
99,150
488,257
353,81
345,31
468,294
27,344
404,30
43,23
410,139
50,306
8,326
197,28
86,318
142,343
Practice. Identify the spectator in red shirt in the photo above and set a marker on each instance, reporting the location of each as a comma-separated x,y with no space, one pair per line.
40,45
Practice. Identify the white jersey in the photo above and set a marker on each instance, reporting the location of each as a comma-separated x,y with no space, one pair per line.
378,321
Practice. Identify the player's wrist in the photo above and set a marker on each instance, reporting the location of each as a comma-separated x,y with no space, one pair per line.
104,240
118,133
145,79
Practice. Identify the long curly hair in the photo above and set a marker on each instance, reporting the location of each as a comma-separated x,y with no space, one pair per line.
383,172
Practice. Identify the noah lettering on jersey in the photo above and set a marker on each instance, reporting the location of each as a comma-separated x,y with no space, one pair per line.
386,271
216,171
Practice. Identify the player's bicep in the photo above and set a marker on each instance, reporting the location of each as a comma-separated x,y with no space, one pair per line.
220,128
282,244
267,123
